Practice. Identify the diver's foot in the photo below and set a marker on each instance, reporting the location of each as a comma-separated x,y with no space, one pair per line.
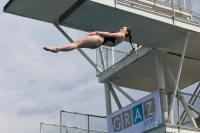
52,49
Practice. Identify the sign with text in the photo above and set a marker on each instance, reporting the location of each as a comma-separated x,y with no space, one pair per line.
137,117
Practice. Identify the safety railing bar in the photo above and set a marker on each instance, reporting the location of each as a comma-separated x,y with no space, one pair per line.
156,1
130,3
116,50
182,93
52,124
185,123
87,129
72,127
82,114
195,13
135,52
194,109
196,98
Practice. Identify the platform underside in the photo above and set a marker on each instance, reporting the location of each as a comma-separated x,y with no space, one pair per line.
141,73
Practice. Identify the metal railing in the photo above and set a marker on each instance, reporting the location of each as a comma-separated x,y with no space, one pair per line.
183,4
82,123
109,56
174,8
51,128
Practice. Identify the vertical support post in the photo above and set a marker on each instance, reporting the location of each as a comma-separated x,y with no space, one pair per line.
81,51
102,59
113,56
115,97
161,84
169,97
40,127
178,109
107,98
115,2
181,97
179,3
184,4
106,58
173,12
60,121
173,8
88,123
123,92
136,48
178,75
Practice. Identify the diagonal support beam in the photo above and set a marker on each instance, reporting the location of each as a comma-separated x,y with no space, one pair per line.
115,97
181,96
123,92
178,75
80,50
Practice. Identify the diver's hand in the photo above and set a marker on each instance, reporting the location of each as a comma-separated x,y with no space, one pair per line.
92,33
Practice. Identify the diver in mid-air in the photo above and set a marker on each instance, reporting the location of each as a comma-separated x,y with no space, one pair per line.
95,40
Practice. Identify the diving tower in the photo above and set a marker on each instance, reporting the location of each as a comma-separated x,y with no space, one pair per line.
168,61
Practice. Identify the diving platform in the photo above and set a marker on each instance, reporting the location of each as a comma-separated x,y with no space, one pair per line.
167,62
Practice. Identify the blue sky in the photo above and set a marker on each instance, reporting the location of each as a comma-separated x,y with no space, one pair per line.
35,85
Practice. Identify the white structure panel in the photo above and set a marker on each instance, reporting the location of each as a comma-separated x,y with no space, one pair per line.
105,2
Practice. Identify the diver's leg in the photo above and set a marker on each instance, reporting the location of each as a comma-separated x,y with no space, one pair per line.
86,42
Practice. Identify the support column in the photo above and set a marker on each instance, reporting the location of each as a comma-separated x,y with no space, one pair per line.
107,98
161,85
178,75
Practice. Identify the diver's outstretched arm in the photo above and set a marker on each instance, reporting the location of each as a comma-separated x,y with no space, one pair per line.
107,34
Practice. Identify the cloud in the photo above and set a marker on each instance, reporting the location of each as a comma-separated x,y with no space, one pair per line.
9,70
